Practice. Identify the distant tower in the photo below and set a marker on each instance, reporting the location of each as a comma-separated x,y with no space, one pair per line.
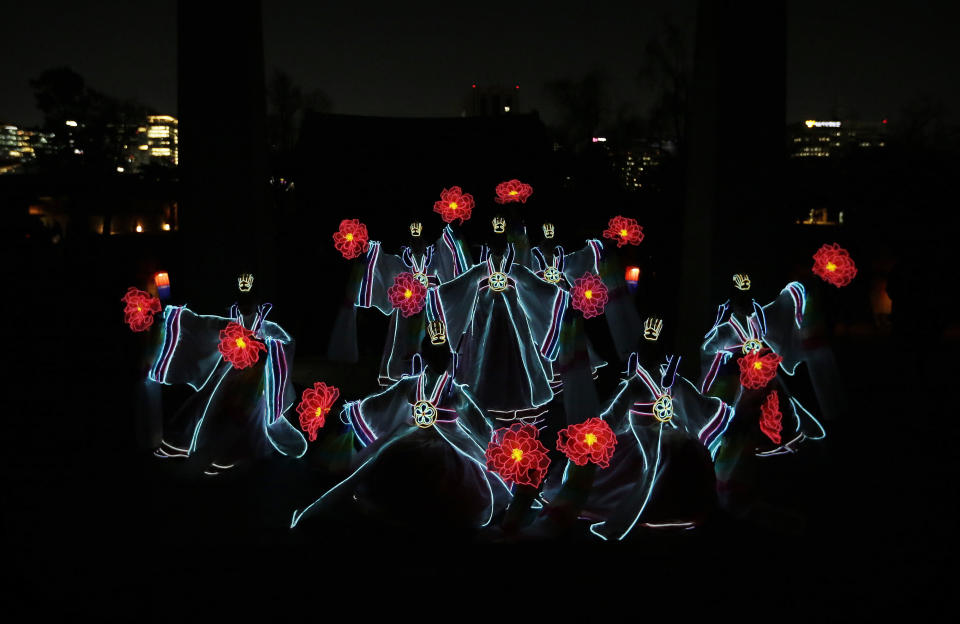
492,100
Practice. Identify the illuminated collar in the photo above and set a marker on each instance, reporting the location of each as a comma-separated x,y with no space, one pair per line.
258,319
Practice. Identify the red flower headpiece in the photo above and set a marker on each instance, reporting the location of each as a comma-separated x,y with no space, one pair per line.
140,308
624,230
832,263
589,295
517,455
454,204
238,346
314,406
351,239
756,370
592,440
771,418
513,191
407,294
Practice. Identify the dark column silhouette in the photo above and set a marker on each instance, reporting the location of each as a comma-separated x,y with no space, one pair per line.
224,217
736,115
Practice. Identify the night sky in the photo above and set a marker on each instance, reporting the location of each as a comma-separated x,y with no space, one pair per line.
397,60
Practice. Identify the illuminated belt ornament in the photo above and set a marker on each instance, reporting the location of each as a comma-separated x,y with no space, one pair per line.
424,414
552,275
498,281
663,408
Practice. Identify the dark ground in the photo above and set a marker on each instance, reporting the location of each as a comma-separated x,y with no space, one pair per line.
94,526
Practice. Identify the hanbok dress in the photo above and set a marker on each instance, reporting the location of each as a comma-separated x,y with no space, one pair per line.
440,262
664,427
777,326
236,414
563,269
501,321
444,434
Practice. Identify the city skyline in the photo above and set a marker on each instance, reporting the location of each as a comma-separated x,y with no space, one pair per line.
419,62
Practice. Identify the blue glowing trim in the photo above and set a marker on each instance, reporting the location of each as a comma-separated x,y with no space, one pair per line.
623,386
742,333
365,295
799,295
551,342
171,338
559,259
196,430
459,260
597,247
538,256
823,432
396,325
653,477
712,373
296,518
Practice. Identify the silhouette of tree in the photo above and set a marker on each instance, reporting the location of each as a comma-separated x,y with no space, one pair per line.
286,104
665,70
581,106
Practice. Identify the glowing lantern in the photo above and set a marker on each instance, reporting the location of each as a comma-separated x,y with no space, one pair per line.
632,275
162,280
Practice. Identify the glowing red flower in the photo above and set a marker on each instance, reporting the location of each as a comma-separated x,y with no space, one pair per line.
517,455
140,308
454,204
832,263
756,370
238,346
513,191
591,441
407,294
314,406
351,239
624,230
589,295
771,418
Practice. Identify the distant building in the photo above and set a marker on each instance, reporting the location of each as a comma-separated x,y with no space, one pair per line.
634,163
157,141
491,101
822,139
19,146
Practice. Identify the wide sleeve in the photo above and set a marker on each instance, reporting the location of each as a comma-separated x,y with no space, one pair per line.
378,414
543,304
782,320
279,394
457,300
189,350
616,411
714,352
700,415
451,257
343,338
583,261
377,278
622,318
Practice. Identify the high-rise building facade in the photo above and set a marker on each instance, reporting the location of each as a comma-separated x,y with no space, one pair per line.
157,141
821,139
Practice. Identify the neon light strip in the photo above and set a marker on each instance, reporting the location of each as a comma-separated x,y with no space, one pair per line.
538,256
799,296
459,261
559,261
171,339
823,432
737,327
196,431
551,342
712,373
365,296
364,433
597,247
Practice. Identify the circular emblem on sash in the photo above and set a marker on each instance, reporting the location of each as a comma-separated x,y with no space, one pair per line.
552,275
752,346
424,414
663,408
498,281
422,278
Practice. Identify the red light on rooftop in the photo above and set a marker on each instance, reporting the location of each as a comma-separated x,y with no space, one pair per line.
884,121
517,87
473,86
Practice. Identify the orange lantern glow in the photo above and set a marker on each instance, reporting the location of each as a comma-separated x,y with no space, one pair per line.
633,274
162,280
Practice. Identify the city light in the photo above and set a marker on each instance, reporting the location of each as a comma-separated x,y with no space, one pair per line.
599,139
144,147
139,228
166,227
812,123
506,109
72,123
119,169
